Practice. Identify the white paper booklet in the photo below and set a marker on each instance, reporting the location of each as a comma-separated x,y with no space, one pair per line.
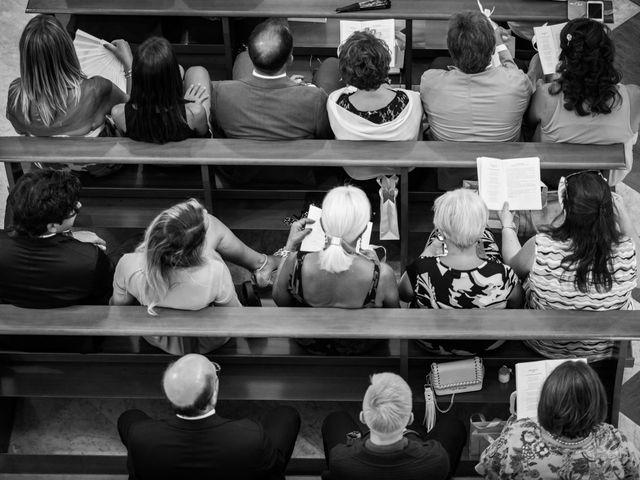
547,42
314,242
95,59
530,377
513,180
383,29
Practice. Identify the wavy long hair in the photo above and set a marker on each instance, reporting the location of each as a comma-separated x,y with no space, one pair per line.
174,239
157,94
50,73
345,214
588,77
590,225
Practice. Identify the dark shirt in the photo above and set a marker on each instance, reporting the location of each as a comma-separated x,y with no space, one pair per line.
413,459
209,448
56,271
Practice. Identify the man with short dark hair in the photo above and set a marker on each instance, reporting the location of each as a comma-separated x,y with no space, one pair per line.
43,264
198,443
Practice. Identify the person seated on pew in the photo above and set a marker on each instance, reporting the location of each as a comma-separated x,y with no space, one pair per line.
585,102
53,97
341,275
163,106
262,103
473,101
585,261
198,443
368,108
390,449
569,439
180,265
460,267
43,263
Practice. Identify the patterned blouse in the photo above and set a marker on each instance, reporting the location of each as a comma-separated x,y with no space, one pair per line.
525,451
438,286
551,287
382,115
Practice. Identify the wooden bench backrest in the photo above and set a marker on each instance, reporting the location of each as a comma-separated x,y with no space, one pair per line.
305,152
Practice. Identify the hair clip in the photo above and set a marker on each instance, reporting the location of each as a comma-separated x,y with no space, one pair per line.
569,37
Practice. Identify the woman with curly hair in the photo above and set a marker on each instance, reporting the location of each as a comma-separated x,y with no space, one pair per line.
368,108
586,103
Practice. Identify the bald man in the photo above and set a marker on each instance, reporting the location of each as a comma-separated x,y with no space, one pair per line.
197,443
263,103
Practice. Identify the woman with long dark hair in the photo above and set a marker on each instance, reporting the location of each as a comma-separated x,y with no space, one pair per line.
53,97
163,106
569,439
586,262
586,103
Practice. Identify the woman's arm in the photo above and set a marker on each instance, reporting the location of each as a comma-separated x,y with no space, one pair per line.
519,258
122,297
405,289
121,49
117,114
389,287
197,119
280,291
634,100
624,221
516,299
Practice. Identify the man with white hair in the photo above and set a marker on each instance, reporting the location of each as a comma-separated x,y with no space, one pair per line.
197,443
389,451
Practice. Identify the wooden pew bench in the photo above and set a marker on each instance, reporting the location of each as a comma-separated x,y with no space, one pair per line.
261,362
113,203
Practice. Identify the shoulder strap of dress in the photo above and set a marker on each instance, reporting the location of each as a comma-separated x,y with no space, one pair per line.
370,299
295,281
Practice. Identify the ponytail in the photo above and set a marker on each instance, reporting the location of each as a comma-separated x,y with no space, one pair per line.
334,258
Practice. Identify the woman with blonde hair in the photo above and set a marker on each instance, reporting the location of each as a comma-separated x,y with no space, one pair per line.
461,267
53,97
340,275
179,265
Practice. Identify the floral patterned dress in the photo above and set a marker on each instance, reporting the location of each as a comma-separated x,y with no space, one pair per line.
525,451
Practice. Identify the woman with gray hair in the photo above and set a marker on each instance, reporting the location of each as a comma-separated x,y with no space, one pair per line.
461,265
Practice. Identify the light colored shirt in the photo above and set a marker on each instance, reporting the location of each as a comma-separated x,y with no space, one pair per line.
479,107
191,288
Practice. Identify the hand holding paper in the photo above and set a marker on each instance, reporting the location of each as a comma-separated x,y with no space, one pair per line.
513,180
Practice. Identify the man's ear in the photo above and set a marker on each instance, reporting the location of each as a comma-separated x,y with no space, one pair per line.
290,61
53,227
361,417
411,419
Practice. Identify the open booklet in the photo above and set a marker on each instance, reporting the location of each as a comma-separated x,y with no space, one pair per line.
530,377
95,59
547,41
513,180
315,241
382,29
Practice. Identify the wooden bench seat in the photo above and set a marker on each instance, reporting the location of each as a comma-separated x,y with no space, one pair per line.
264,363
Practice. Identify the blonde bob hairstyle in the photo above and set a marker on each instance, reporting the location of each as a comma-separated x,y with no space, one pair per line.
346,211
387,404
50,73
175,239
461,215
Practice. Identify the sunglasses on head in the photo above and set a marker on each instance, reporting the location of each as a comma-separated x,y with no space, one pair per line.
564,181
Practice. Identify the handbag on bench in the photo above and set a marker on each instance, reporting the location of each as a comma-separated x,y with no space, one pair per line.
448,379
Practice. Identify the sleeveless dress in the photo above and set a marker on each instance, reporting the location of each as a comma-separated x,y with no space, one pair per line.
329,346
550,286
566,126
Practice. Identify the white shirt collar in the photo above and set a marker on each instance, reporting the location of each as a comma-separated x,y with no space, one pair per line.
199,417
269,77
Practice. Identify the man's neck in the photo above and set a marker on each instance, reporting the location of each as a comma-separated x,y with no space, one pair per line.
385,439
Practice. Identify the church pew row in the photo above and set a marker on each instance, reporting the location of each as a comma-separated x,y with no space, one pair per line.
147,197
262,362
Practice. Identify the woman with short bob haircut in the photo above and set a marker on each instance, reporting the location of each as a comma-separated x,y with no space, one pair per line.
368,108
179,265
461,267
163,107
570,438
585,102
585,261
53,97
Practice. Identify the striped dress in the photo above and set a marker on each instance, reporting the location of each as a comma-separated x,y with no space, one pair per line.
550,286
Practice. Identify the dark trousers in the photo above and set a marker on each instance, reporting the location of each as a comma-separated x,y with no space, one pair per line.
449,431
281,425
